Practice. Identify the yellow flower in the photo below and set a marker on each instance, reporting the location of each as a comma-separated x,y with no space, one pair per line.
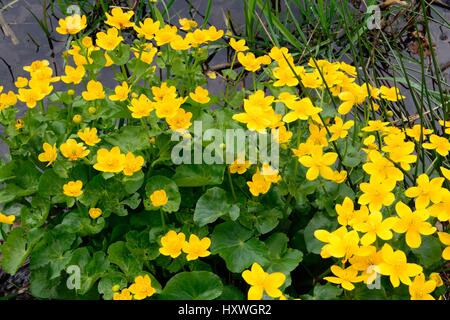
250,62
282,135
391,94
214,34
287,75
147,29
19,124
317,136
146,53
7,100
270,175
159,198
377,193
426,191
415,132
89,136
445,125
164,91
345,212
445,239
319,164
355,95
341,243
141,107
71,24
132,164
30,97
49,155
165,35
437,279
381,167
375,227
172,243
238,46
73,75
261,281
180,121
73,150
344,277
110,161
168,107
258,185
440,144
311,80
396,266
180,44
94,91
200,95
196,248
121,92
109,40
420,289
123,295
7,219
119,19
339,129
187,24
20,83
94,213
239,166
142,287
73,188
302,110
445,173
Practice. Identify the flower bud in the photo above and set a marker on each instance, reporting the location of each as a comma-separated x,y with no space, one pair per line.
77,118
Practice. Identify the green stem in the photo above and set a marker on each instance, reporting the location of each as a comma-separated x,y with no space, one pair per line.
231,186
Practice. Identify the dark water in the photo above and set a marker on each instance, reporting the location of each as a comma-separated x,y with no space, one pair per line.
29,42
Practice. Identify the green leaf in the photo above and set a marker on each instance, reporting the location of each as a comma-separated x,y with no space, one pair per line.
197,175
327,292
120,55
429,252
82,224
17,248
119,255
138,243
91,268
261,218
129,139
195,285
163,183
213,204
235,245
108,281
53,251
50,184
133,183
281,258
319,221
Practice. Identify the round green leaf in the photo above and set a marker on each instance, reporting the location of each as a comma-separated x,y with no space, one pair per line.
196,285
171,189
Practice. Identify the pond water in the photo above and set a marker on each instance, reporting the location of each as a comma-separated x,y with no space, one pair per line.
23,40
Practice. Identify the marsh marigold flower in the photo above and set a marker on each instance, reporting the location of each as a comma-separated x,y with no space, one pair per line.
73,75
94,91
396,266
132,164
71,24
142,287
444,237
94,213
159,198
344,277
377,193
89,136
7,219
239,45
147,29
440,144
119,19
73,150
196,247
125,294
239,166
262,282
426,191
141,107
73,188
109,40
258,185
318,164
49,155
120,92
172,243
110,160
187,24
165,35
420,289
180,121
200,95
